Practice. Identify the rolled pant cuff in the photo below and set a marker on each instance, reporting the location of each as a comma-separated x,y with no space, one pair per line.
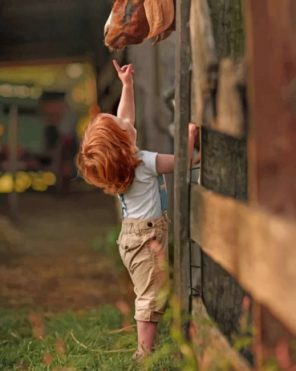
148,316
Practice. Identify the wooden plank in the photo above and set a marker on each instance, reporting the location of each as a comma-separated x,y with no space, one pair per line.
228,27
223,170
181,174
236,236
272,92
204,62
230,103
218,91
223,163
211,347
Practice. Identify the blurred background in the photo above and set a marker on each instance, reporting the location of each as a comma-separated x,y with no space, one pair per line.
57,234
58,249
66,301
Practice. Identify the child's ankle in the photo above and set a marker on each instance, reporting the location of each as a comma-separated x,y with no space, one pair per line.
142,349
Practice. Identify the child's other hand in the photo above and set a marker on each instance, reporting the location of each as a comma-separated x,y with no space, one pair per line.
125,73
193,137
193,131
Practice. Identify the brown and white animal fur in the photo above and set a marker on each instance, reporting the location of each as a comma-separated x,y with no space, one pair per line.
133,21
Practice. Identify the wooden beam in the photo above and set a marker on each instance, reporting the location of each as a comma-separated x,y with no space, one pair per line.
272,94
204,62
271,56
257,248
230,101
211,347
223,165
181,188
218,88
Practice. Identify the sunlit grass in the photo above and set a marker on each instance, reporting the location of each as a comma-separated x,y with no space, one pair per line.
93,340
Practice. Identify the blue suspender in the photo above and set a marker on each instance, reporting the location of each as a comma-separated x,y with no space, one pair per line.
123,206
162,193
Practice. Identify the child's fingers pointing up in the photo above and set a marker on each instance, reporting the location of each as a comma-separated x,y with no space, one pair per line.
116,65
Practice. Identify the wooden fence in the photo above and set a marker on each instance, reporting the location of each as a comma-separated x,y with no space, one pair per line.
242,215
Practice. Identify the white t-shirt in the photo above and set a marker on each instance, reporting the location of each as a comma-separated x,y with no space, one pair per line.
142,199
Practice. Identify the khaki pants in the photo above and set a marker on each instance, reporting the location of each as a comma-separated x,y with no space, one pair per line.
143,250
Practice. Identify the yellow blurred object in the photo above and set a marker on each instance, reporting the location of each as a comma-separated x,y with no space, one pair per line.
22,181
82,124
49,178
93,111
39,185
6,183
38,181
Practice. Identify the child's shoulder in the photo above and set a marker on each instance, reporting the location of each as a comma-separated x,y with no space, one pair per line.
148,161
146,155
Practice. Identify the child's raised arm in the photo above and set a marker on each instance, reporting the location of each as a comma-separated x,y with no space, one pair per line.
126,108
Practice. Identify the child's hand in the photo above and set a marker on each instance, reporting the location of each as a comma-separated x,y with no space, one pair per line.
193,137
193,131
125,73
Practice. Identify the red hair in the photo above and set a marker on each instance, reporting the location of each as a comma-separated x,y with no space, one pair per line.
107,157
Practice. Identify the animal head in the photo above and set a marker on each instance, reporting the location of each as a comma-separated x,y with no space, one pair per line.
127,24
133,21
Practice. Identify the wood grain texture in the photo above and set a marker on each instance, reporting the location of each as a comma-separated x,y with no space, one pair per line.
181,173
224,171
218,87
230,101
212,349
237,236
271,56
272,94
204,62
223,163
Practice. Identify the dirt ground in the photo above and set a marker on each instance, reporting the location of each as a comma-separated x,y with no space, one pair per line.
54,267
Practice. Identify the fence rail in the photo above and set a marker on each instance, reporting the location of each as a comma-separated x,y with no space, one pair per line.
247,109
257,248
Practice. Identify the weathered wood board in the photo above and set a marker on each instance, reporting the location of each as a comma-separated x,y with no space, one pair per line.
181,174
272,94
245,241
271,58
218,86
211,347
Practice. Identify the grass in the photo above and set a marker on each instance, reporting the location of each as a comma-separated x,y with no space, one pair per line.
69,341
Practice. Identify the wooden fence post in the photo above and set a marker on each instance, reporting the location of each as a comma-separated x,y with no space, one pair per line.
223,166
272,93
181,175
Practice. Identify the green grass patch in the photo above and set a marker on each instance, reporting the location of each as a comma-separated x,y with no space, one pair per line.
107,245
69,341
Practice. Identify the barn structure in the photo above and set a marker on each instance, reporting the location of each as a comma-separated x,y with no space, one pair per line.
232,66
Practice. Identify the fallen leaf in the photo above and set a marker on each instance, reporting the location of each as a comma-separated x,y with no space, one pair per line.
37,323
47,359
60,347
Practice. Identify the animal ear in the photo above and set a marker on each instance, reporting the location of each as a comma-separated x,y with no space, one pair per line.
160,16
